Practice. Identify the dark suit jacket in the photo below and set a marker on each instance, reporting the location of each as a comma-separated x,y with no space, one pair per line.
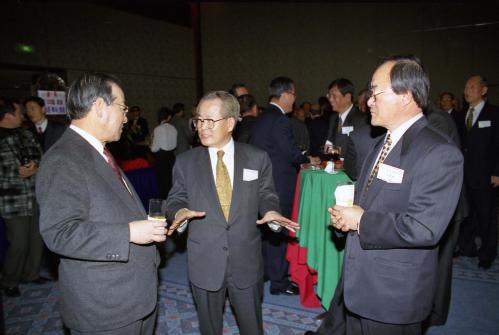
355,119
459,120
244,129
106,282
52,133
215,244
389,268
317,130
481,149
360,144
273,133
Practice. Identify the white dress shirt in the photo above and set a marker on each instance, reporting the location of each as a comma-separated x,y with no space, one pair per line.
164,138
476,112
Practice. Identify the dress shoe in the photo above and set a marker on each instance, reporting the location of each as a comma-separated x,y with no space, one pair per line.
290,290
484,265
12,292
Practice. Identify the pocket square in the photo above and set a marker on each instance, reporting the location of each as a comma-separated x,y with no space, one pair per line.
249,175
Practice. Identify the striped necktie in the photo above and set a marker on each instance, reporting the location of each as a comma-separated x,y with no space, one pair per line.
381,159
469,119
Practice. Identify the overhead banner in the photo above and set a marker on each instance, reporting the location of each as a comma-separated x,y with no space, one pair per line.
55,102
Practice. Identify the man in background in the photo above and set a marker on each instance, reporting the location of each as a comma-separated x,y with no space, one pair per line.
273,133
47,132
19,157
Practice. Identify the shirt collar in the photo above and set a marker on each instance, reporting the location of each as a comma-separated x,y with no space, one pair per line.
42,124
398,132
344,115
90,139
228,149
282,110
478,107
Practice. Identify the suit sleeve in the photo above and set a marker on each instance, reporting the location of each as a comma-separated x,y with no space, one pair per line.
177,198
65,216
286,142
267,196
495,148
433,196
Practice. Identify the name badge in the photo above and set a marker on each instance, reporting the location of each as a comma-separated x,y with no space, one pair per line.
346,130
390,174
484,124
249,175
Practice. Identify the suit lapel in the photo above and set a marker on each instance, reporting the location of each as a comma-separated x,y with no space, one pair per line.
239,161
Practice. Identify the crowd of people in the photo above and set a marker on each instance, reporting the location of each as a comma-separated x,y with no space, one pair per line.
426,177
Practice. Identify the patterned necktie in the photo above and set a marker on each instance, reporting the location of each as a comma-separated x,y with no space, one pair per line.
112,164
340,124
469,119
381,159
40,131
224,188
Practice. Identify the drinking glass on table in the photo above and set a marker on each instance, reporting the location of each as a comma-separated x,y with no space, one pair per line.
156,209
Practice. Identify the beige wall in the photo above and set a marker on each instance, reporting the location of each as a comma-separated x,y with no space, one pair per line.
316,43
154,59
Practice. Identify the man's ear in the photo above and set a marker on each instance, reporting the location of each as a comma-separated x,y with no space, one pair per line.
407,98
232,123
100,107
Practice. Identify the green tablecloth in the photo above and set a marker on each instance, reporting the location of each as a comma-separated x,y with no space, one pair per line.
323,247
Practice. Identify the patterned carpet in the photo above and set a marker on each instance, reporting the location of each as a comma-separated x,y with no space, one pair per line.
36,312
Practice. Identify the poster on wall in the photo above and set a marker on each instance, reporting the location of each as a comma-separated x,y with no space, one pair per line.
55,102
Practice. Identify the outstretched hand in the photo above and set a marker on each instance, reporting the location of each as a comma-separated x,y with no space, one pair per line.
274,217
183,215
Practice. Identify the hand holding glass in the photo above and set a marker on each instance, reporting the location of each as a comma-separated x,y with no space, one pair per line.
156,209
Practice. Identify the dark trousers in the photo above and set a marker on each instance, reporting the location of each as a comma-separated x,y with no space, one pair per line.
143,326
483,208
164,168
274,246
340,321
247,305
24,254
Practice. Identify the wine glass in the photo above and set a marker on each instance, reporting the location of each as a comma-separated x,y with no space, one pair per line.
156,209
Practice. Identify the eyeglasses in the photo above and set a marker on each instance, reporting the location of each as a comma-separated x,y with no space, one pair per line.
124,108
292,93
209,123
371,94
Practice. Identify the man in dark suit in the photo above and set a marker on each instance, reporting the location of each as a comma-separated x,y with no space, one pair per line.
345,119
249,113
231,183
47,132
480,143
93,218
273,133
405,197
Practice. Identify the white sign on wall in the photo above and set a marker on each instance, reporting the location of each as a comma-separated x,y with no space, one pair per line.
55,102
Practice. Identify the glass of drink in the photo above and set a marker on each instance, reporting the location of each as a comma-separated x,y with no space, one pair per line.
156,209
344,193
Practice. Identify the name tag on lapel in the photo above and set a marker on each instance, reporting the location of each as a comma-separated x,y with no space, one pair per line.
390,174
484,124
346,130
249,175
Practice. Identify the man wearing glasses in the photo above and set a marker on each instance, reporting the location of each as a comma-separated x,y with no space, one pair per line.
92,217
406,195
221,188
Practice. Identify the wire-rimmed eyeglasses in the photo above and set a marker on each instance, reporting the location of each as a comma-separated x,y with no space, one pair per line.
198,123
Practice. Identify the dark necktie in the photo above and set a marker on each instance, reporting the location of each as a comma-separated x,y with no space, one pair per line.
469,119
224,188
112,164
40,131
381,159
340,124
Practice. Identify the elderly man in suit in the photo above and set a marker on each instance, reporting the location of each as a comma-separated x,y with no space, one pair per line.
480,143
346,119
93,218
406,195
47,132
274,134
221,187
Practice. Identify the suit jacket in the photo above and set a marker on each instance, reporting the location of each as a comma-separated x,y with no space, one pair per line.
317,130
389,268
215,246
184,133
459,119
361,141
481,148
273,133
244,129
106,282
52,133
355,119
